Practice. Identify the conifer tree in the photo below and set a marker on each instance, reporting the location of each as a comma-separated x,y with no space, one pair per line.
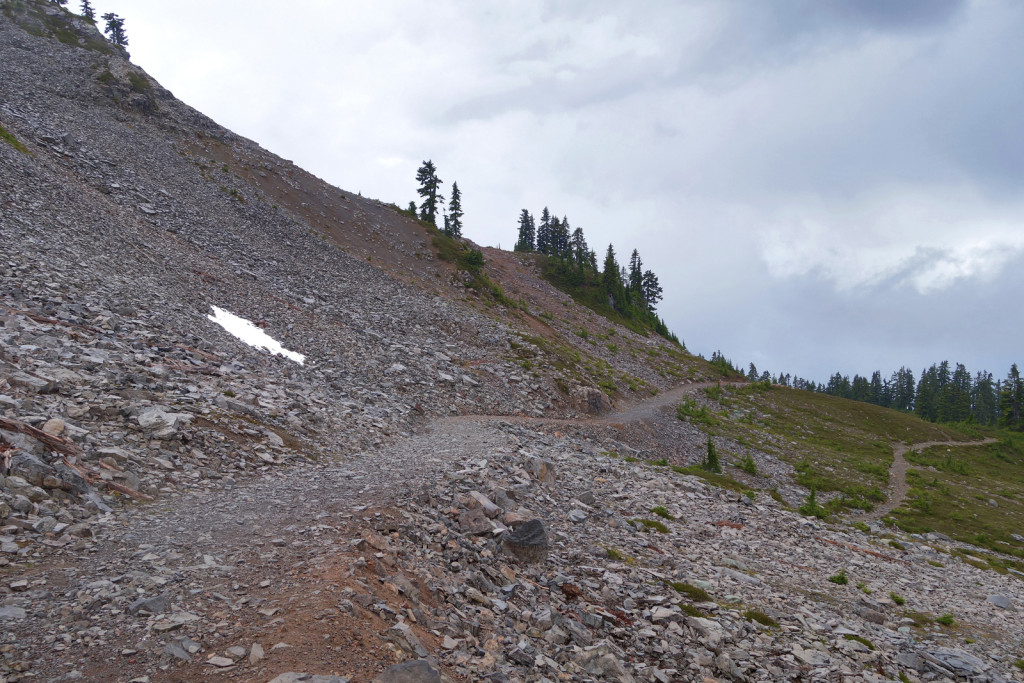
580,250
1011,400
544,232
412,209
430,190
453,222
115,29
711,463
87,11
983,399
636,274
611,279
651,290
527,232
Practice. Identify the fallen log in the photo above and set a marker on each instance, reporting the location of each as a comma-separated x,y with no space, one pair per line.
54,443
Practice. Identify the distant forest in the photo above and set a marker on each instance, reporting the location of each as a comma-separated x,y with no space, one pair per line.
943,393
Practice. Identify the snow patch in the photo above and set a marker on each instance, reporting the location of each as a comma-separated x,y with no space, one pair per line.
252,335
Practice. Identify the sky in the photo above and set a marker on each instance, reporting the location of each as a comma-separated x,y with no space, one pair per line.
820,185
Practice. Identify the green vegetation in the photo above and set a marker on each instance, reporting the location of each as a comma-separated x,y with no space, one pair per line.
863,588
471,262
967,493
614,554
761,618
810,507
946,619
840,578
859,639
690,610
31,18
140,83
861,526
694,593
710,463
898,599
649,524
662,512
6,136
748,465
896,545
689,409
920,619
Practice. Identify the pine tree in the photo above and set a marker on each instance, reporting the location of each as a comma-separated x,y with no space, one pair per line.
752,372
453,224
878,390
87,11
711,463
651,290
983,399
611,278
1011,400
429,189
544,232
636,274
580,250
527,232
411,209
115,29
926,403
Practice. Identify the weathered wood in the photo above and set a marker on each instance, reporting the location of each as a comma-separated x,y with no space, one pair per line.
54,443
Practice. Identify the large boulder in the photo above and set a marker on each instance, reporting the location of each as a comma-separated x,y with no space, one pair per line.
589,400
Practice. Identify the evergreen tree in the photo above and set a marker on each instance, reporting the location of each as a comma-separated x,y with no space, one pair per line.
527,232
560,237
752,372
651,290
544,232
611,279
878,390
636,274
87,11
453,222
115,29
860,389
412,209
430,191
984,399
955,403
711,463
1011,400
926,403
903,392
580,250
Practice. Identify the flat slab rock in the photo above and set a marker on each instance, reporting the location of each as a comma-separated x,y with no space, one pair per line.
417,671
293,677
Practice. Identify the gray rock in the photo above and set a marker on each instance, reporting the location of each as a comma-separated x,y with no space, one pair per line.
416,671
474,522
527,543
292,677
30,468
576,516
8,613
957,661
157,604
1001,601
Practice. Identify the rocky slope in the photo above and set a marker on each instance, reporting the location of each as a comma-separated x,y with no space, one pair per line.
177,505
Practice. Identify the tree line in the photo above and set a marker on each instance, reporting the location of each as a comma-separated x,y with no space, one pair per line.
633,292
944,392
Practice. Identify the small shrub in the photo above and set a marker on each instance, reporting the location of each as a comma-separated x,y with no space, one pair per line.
690,610
859,639
936,564
1019,664
904,678
897,545
714,393
861,526
762,618
662,512
689,409
864,588
649,524
7,137
920,619
810,508
898,599
840,578
661,462
748,465
946,619
695,593
614,554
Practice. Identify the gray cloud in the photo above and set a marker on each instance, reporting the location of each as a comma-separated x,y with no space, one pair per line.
819,183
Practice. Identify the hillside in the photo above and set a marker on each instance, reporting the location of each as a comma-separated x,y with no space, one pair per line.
490,483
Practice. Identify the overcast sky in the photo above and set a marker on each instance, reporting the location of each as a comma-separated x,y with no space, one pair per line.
819,184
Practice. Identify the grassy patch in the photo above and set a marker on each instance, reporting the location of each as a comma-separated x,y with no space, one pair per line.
690,610
650,525
761,618
951,492
898,599
689,409
7,137
720,480
695,593
920,619
859,639
946,619
662,512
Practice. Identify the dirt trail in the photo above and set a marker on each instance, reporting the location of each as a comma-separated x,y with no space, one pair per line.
897,492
